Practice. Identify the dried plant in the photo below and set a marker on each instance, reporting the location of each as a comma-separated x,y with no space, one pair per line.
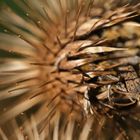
69,70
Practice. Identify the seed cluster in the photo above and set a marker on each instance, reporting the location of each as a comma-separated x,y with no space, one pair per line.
71,70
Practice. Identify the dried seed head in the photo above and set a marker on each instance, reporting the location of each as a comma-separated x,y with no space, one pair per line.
70,70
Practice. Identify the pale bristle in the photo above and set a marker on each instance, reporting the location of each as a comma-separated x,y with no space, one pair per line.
70,70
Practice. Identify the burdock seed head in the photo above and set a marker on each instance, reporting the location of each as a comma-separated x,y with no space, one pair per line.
69,70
